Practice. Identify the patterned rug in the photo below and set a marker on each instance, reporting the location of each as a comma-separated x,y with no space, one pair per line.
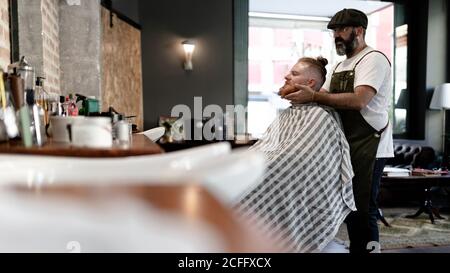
408,233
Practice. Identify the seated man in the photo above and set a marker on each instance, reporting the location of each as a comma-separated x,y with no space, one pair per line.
306,192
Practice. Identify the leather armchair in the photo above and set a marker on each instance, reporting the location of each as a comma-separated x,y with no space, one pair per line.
414,156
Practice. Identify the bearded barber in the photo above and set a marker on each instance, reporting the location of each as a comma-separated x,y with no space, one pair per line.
360,89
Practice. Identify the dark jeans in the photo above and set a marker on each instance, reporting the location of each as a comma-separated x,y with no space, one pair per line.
363,227
373,205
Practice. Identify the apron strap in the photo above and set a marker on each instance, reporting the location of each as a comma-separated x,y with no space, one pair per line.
336,67
360,60
379,133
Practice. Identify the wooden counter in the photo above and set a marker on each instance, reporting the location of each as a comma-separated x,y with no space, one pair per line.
141,145
190,202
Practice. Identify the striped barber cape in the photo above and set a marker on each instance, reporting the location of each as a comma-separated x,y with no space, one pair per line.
306,192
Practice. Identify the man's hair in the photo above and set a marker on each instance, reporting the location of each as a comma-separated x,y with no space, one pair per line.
318,65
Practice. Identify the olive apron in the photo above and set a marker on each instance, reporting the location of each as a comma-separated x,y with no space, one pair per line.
362,137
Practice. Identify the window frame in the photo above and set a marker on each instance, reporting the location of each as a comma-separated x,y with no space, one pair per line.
415,15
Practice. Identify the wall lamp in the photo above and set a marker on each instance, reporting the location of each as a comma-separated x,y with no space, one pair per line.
189,48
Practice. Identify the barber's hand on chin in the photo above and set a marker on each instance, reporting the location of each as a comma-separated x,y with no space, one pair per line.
304,95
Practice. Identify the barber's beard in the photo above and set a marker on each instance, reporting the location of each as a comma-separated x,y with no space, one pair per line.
346,47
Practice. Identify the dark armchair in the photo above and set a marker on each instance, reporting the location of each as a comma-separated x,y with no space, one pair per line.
413,156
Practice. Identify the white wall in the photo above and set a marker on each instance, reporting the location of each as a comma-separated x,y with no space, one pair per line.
436,67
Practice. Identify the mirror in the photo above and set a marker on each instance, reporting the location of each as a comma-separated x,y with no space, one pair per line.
401,93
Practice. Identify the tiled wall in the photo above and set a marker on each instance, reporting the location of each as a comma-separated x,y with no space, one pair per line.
5,44
50,40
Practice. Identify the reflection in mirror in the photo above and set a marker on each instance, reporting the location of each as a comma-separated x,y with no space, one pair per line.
401,111
400,90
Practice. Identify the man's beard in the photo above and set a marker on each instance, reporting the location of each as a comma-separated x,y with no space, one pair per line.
346,47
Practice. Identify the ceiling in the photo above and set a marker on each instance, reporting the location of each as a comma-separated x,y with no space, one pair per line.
323,8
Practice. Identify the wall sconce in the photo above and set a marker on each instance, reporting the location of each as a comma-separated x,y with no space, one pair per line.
189,48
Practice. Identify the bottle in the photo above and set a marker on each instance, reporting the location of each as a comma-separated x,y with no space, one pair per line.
42,100
38,114
54,105
122,132
63,106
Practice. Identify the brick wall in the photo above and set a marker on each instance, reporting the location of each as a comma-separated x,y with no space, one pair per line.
50,40
5,45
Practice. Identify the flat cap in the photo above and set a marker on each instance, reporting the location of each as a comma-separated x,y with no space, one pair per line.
348,18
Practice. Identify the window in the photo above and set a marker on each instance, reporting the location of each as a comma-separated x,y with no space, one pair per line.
274,47
276,44
410,68
401,94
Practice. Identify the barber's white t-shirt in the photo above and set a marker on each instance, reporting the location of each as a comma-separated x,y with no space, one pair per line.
375,71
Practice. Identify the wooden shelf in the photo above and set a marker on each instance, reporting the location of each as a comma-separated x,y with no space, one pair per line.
141,145
177,146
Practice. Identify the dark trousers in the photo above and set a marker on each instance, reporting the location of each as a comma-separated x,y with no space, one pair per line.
374,214
362,226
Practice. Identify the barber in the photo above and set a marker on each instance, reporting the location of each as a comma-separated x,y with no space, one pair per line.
360,89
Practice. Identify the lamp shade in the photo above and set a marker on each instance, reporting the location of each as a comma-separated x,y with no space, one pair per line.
189,48
403,100
441,97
